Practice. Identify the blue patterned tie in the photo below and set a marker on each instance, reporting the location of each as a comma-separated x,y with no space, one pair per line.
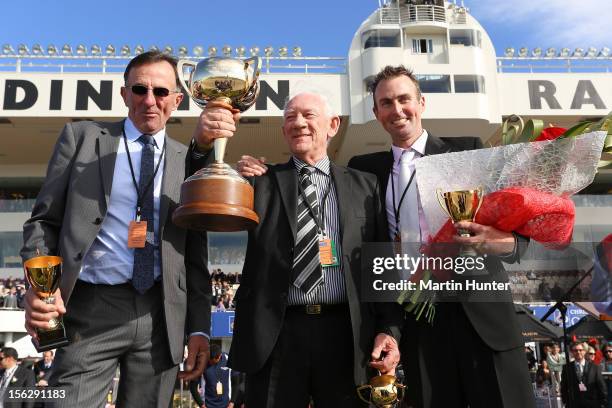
142,277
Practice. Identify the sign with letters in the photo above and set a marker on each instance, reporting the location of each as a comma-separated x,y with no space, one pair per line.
98,95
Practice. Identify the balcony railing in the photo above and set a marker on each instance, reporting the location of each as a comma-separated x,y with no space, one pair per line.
395,13
17,205
104,64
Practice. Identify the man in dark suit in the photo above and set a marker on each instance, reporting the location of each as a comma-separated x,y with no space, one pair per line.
301,328
472,354
13,376
124,303
586,385
42,369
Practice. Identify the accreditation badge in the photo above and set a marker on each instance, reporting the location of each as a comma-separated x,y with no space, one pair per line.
327,251
219,388
137,234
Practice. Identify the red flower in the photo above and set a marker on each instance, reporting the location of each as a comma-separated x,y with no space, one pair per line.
550,133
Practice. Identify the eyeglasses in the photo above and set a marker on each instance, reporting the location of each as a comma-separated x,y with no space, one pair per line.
159,92
591,354
578,350
608,351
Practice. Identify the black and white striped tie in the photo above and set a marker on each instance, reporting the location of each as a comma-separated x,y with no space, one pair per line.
307,273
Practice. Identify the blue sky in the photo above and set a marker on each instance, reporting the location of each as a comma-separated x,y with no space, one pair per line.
321,28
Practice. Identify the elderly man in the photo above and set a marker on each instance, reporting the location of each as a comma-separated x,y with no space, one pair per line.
301,329
124,302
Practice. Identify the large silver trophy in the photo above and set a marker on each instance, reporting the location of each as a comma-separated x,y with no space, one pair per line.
217,198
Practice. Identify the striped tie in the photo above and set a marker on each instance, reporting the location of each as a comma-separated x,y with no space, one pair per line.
307,274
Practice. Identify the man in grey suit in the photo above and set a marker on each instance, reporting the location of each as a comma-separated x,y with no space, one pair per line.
125,303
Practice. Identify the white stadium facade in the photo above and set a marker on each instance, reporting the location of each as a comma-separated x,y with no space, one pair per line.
469,91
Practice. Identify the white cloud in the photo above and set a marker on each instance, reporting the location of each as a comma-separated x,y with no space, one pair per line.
557,23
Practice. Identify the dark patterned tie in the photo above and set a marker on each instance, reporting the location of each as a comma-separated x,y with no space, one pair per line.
142,277
307,272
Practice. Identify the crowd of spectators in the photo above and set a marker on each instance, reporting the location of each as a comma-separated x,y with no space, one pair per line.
223,255
548,286
223,289
16,201
12,293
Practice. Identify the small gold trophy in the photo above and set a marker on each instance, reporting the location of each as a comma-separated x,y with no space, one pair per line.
384,391
217,198
461,205
43,274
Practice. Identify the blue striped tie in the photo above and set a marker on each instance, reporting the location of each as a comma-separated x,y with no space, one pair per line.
142,277
307,273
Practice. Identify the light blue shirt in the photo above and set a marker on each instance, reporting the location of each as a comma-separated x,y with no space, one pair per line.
109,260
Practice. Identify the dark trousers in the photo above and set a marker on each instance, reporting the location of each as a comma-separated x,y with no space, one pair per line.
110,326
312,358
452,367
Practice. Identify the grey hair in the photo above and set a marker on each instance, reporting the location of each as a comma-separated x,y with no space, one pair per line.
302,88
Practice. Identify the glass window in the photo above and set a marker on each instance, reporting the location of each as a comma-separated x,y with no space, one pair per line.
381,38
469,84
469,38
434,83
422,46
227,248
10,244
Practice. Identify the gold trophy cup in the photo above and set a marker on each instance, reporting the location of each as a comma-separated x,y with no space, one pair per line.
383,391
43,274
461,205
217,198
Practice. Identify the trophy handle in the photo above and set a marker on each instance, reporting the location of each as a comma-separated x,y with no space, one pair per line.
361,388
401,389
442,202
181,74
480,199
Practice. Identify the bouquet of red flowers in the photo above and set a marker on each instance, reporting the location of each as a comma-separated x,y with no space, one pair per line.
526,190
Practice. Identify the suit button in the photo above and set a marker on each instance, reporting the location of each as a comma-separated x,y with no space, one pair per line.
98,221
79,256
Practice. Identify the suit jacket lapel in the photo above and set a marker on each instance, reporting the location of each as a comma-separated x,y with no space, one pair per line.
342,182
385,171
174,171
108,143
435,145
287,180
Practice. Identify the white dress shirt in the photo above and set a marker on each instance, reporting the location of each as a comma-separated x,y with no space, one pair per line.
109,260
416,151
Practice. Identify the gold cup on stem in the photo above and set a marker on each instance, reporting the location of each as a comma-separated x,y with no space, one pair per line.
383,391
43,274
461,205
217,198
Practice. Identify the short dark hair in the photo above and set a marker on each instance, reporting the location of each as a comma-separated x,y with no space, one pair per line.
390,72
215,351
151,57
576,345
10,352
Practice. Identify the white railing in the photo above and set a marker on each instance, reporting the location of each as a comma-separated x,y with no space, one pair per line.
395,13
89,63
554,64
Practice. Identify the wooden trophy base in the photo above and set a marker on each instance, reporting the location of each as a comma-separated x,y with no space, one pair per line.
216,199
